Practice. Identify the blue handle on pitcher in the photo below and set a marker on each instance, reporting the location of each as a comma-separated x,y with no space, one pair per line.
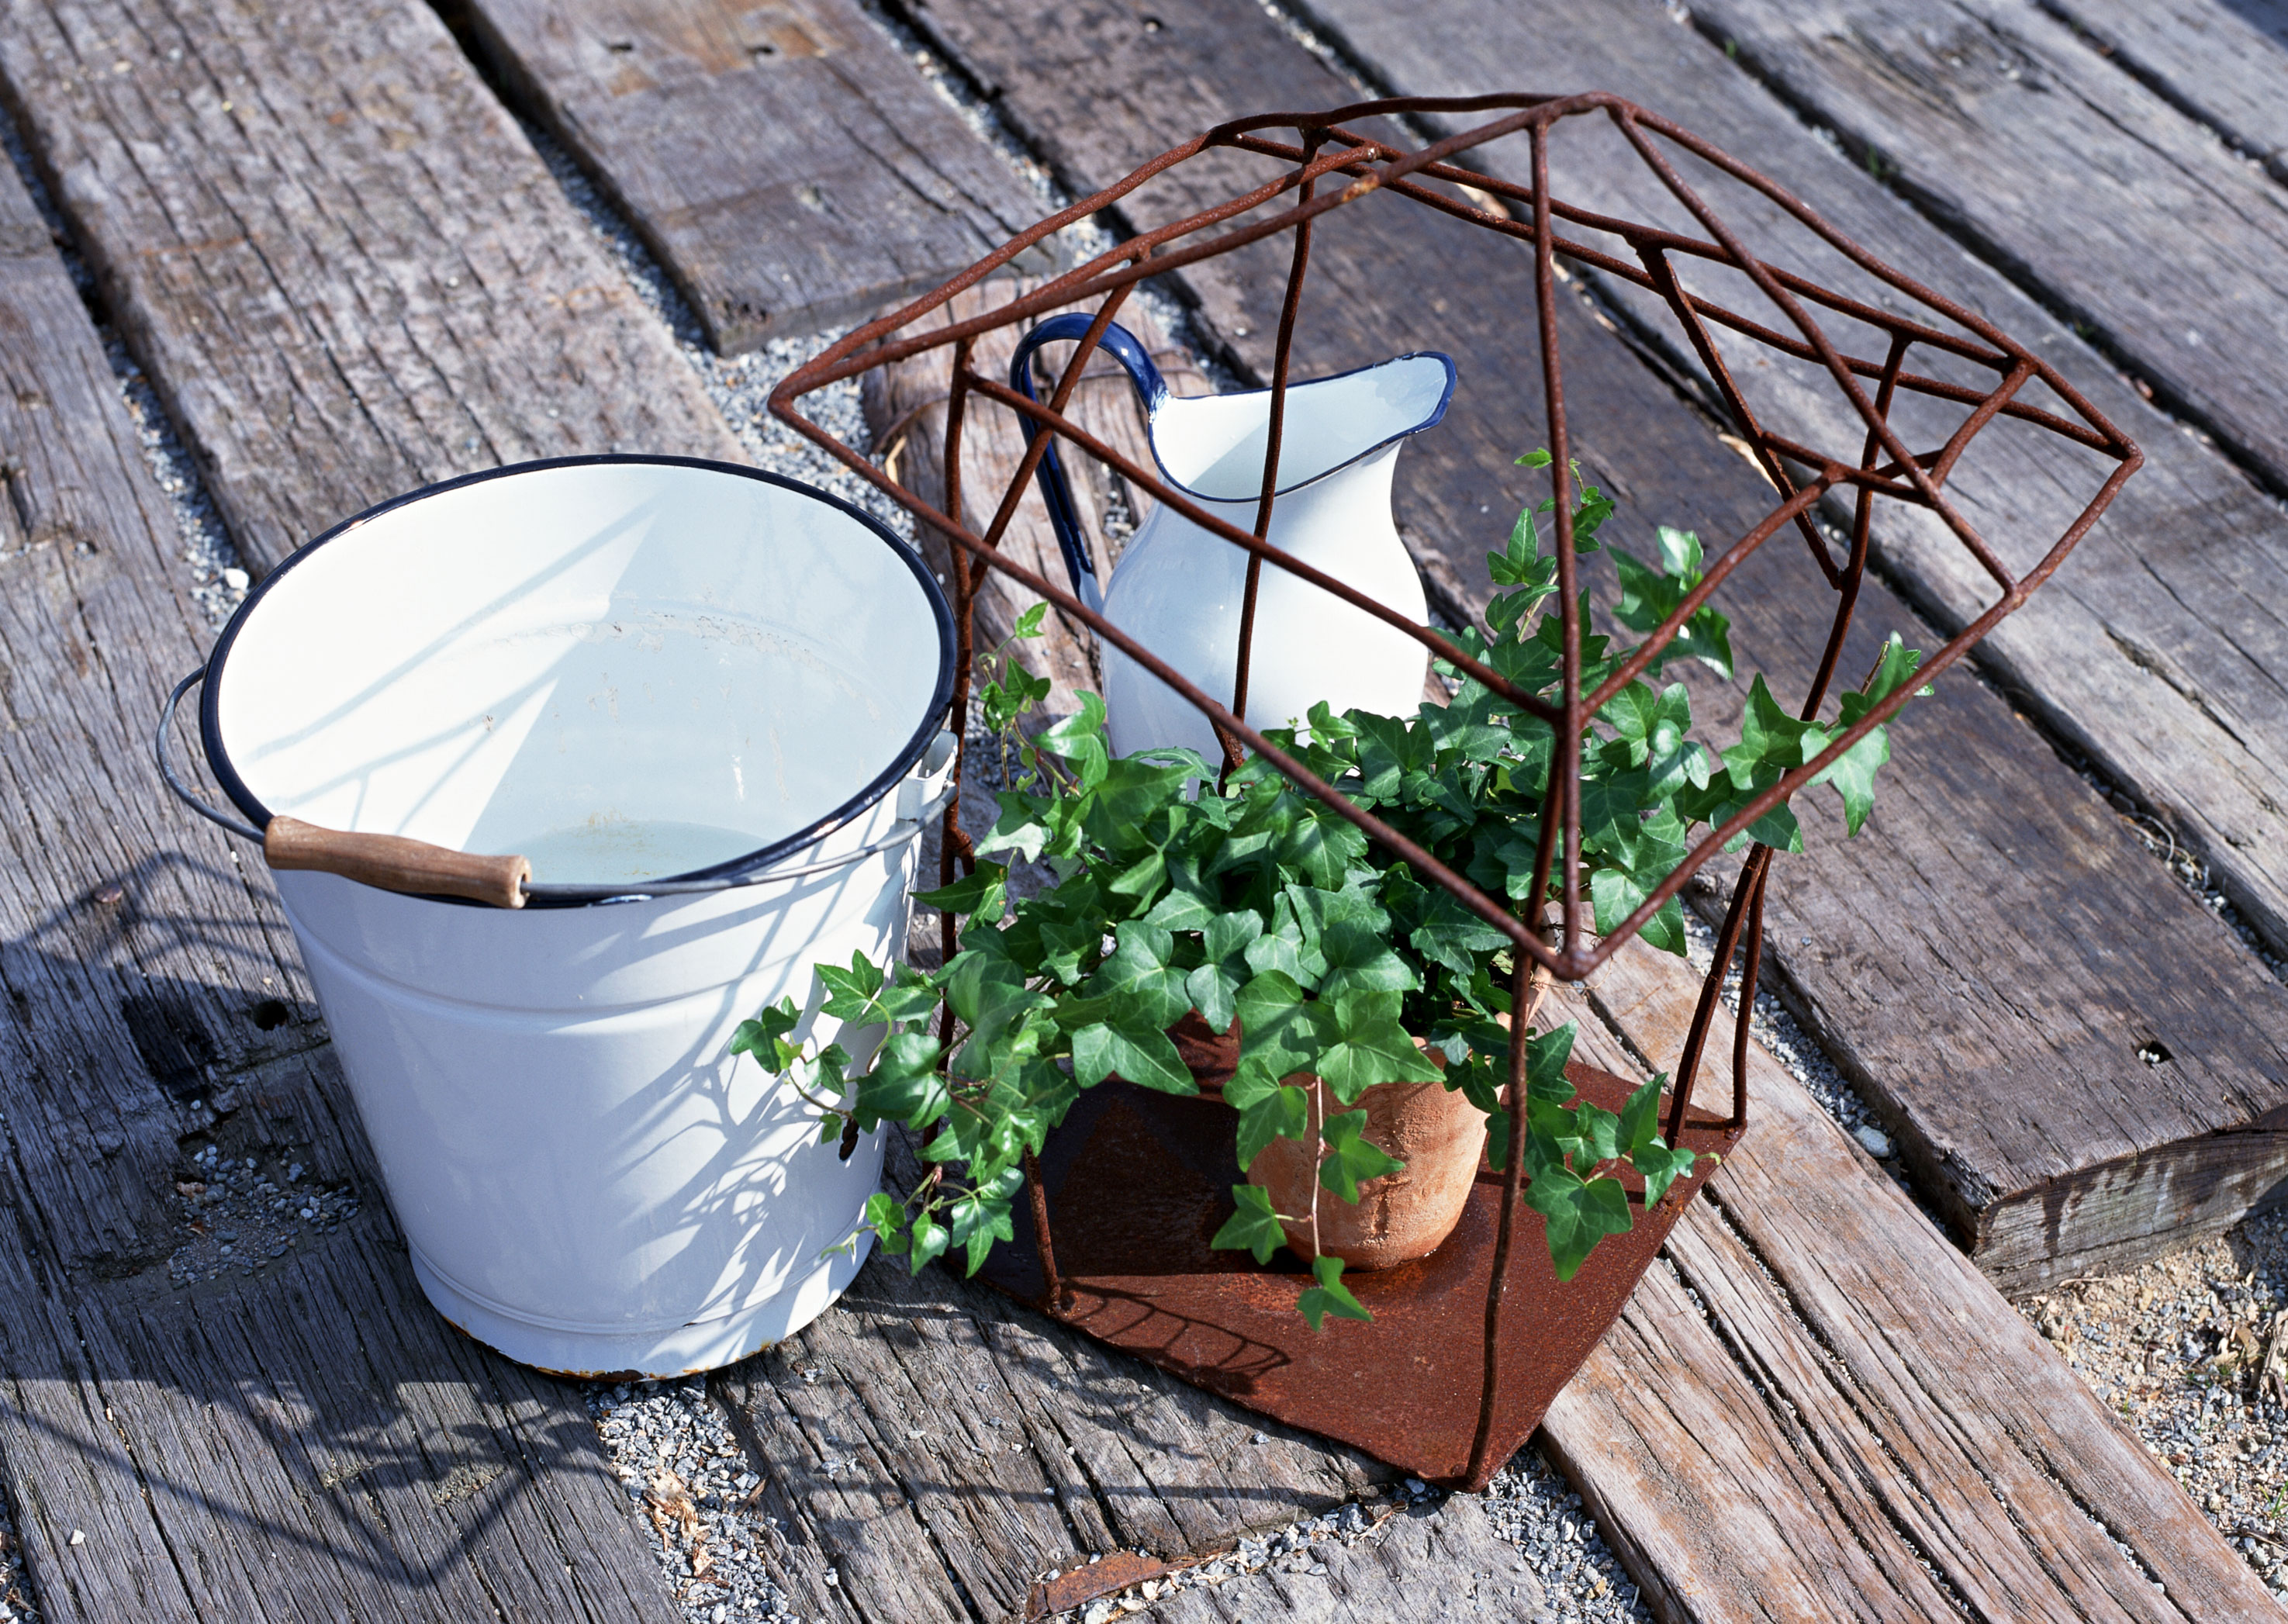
1056,490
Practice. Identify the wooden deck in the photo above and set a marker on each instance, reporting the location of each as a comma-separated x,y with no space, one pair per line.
321,233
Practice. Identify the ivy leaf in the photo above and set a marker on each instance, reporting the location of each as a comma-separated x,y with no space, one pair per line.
1281,1030
904,1085
1227,934
1283,1112
1853,772
1616,893
1138,973
765,1036
1545,1055
1329,1296
1182,910
1577,1215
1135,1049
885,1215
1772,743
1370,1046
1029,624
1214,990
1350,1157
1215,984
976,1221
1661,1168
978,893
1078,741
850,992
1360,960
1389,750
1640,1120
1679,553
1066,949
988,996
1253,1224
1452,936
931,1238
1650,595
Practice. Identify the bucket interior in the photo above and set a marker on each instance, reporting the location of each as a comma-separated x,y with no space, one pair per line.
625,670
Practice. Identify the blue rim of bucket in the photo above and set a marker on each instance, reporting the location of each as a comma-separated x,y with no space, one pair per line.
726,874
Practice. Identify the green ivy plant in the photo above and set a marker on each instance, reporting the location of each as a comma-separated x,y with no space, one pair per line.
1243,899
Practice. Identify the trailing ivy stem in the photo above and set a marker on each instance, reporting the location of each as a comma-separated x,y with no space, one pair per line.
1318,1137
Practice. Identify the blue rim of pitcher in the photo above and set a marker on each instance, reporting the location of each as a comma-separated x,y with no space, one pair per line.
1152,390
1437,416
729,872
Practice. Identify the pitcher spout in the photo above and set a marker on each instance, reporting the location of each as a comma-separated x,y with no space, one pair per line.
1212,447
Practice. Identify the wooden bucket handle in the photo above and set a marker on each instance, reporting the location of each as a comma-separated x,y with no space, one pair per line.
393,862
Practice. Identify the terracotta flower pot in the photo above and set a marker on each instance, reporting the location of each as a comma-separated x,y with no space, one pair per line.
1436,1132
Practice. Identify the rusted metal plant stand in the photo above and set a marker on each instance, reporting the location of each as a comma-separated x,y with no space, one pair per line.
1468,1347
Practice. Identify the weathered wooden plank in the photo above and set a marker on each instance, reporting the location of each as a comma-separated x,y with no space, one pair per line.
137,955
905,407
1993,117
1422,1564
155,996
789,166
2158,650
938,1446
2224,62
2070,1099
1825,1411
933,1441
1964,1042
344,266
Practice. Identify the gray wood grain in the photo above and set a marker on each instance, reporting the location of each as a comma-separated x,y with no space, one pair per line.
1988,1005
2224,64
2036,1095
940,1447
1449,1563
186,1436
1993,117
2158,650
342,263
786,163
1817,1408
123,1007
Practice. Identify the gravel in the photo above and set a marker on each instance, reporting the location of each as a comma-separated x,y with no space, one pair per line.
1579,1579
686,1475
239,1214
2192,1352
16,1605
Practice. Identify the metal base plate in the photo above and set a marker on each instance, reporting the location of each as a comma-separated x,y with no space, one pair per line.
1138,1182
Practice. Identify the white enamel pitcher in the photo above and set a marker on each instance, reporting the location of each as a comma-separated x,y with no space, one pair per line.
1178,588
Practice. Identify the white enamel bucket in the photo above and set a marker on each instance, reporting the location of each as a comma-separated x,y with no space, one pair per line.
707,704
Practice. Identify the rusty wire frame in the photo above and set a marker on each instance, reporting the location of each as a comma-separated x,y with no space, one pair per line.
1327,151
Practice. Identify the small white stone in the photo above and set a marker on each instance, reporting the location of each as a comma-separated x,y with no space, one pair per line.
1877,1142
79,1538
1099,1610
236,579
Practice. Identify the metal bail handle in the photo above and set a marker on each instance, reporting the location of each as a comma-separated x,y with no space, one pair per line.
392,862
1056,490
